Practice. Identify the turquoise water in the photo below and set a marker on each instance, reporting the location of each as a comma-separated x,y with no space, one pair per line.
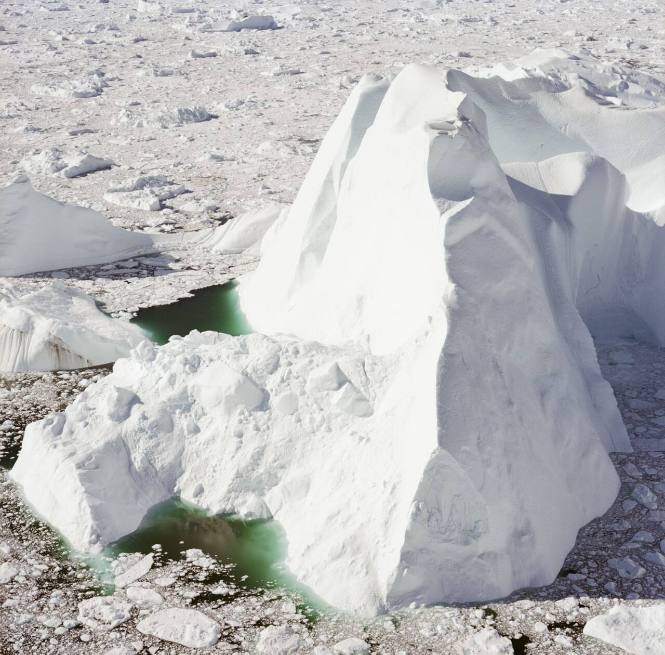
254,550
252,553
215,308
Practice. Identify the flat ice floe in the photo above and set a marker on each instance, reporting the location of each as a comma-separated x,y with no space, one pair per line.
435,426
58,328
38,233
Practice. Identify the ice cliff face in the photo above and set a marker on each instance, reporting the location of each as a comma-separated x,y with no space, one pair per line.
38,233
435,426
58,328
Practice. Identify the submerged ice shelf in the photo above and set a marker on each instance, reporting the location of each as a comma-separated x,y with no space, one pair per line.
456,440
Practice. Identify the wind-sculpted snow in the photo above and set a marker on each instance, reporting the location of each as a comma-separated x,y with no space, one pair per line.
38,233
435,426
57,328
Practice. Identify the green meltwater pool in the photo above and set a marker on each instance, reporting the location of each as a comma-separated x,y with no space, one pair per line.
215,308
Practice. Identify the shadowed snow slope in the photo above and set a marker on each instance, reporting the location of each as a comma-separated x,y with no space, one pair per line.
38,233
57,328
435,426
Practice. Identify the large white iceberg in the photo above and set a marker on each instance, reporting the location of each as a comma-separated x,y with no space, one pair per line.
427,419
57,328
38,233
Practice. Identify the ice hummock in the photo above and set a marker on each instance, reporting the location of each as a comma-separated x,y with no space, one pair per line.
58,328
435,426
38,233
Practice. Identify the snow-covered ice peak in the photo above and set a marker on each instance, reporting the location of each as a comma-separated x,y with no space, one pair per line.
437,406
38,233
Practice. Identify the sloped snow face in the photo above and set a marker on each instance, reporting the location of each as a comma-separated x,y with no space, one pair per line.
38,233
58,328
435,427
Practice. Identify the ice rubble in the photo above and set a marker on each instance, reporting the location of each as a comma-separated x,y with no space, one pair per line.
57,328
38,233
427,419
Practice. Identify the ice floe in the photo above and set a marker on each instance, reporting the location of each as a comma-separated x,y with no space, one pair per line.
637,630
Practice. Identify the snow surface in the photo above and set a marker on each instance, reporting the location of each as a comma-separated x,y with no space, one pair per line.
56,328
467,392
38,233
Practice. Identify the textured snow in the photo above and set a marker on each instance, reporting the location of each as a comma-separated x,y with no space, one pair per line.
438,399
637,630
38,233
58,328
183,626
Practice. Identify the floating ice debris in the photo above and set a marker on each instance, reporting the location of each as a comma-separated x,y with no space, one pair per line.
252,23
144,192
68,164
186,627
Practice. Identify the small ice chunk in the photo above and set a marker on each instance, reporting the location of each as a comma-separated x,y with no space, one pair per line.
486,642
144,598
643,495
252,23
7,572
104,612
626,568
351,646
279,640
186,627
134,572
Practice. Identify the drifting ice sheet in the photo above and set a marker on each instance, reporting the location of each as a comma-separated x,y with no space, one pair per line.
436,428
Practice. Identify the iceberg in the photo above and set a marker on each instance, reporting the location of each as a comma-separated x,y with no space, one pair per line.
421,406
57,328
38,233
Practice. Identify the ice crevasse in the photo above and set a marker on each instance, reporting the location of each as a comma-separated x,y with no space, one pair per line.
421,406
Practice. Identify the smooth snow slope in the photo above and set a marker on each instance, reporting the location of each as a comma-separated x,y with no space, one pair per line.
38,233
435,427
58,328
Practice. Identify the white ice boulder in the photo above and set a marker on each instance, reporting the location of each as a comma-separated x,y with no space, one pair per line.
38,233
435,427
57,328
